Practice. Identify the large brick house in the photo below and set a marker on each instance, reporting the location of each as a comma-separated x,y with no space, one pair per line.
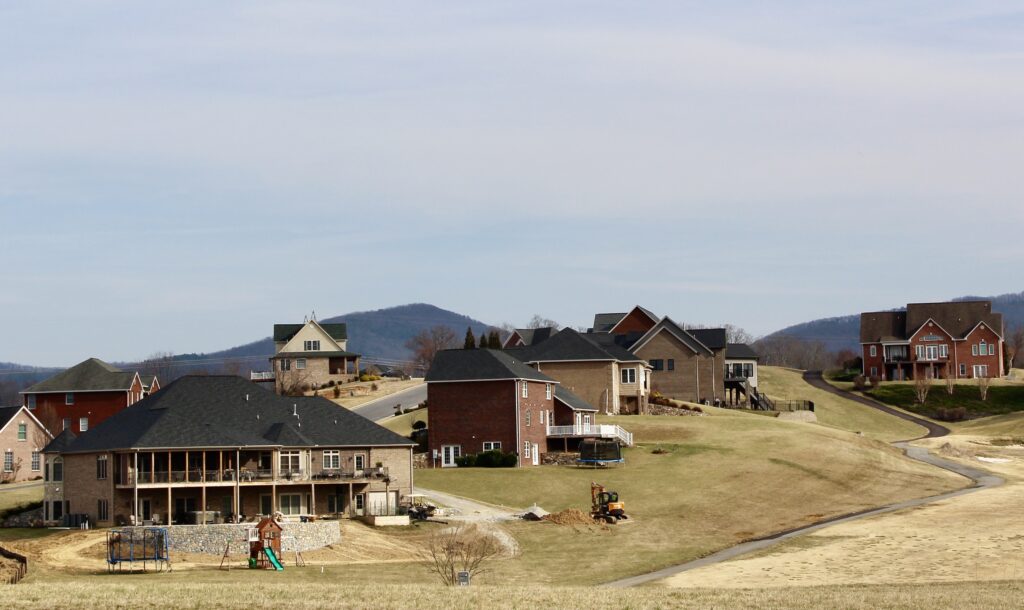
311,355
685,364
484,399
594,367
960,339
22,440
224,448
85,395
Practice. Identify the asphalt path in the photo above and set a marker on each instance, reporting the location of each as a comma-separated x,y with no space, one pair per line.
980,479
382,408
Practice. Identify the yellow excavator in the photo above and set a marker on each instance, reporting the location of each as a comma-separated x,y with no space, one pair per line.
605,505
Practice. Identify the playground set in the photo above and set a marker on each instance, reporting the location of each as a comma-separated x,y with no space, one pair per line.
132,546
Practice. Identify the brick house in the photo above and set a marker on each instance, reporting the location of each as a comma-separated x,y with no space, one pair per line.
594,367
960,339
224,448
311,355
22,440
85,395
484,399
685,364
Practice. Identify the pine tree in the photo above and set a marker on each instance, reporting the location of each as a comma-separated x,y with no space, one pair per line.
470,339
493,340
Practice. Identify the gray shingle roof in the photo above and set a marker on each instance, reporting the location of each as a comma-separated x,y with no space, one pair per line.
615,345
324,354
604,322
284,332
571,400
61,443
533,336
957,318
481,364
877,324
740,351
713,338
567,345
227,411
684,337
6,413
91,375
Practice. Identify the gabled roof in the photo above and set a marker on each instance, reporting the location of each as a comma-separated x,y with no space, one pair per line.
227,411
713,338
566,346
61,443
7,414
147,381
323,354
481,365
92,375
740,351
615,345
667,325
531,336
284,332
876,325
571,400
604,322
646,312
958,318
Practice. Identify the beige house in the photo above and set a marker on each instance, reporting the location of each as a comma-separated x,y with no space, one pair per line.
311,355
22,439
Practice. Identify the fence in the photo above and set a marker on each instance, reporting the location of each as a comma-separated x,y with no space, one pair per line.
22,565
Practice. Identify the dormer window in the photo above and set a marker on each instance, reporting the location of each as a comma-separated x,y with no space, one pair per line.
311,346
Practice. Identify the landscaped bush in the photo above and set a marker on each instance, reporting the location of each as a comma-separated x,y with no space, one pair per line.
368,377
466,461
842,374
337,391
860,383
488,459
951,414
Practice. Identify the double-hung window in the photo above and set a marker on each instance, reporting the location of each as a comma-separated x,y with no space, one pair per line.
300,363
35,461
873,350
526,389
8,461
991,349
83,424
547,391
69,399
286,364
22,432
291,462
311,346
102,510
31,402
332,459
628,375
527,417
101,467
657,364
492,445
526,449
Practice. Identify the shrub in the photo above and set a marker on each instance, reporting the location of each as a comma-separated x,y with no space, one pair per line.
373,387
697,410
860,383
874,381
951,413
495,458
419,424
337,391
466,461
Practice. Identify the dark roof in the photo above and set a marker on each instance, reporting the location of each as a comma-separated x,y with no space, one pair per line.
89,376
324,354
604,322
147,380
6,413
481,364
678,332
740,351
567,345
713,338
228,411
284,332
958,318
61,443
615,345
571,400
533,336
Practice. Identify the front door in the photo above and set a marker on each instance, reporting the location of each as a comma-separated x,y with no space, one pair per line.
448,455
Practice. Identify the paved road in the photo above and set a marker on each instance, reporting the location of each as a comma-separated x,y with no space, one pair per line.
385,407
980,478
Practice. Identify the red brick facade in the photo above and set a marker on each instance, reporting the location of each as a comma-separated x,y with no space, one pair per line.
934,353
52,408
635,321
469,413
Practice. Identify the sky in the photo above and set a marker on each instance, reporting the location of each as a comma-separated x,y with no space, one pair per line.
179,176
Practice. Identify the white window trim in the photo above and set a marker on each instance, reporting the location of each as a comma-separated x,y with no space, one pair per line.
627,375
547,391
22,427
526,449
526,389
69,398
331,456
83,424
528,418
356,458
8,461
493,445
37,460
874,351
300,364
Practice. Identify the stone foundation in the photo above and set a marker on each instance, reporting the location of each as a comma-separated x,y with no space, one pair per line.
211,539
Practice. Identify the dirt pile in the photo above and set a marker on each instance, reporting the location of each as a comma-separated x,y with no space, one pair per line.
570,516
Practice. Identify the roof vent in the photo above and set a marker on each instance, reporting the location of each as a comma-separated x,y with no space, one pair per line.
257,417
295,409
246,398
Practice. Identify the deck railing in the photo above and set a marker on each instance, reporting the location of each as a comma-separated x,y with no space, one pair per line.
261,375
594,430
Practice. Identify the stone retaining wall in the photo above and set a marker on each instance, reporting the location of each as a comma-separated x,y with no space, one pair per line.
29,518
211,539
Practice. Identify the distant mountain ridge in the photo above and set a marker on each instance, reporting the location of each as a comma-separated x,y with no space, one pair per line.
843,332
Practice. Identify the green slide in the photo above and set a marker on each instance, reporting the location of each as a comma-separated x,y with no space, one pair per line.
273,558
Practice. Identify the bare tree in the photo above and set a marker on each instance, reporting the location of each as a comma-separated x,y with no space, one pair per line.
1014,346
983,385
11,475
922,385
425,345
160,364
461,548
950,383
539,321
735,334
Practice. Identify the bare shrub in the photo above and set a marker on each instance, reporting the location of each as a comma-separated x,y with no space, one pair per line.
874,381
983,385
460,548
921,388
860,383
950,384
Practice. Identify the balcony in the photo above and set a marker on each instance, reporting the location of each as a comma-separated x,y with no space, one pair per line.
592,431
261,375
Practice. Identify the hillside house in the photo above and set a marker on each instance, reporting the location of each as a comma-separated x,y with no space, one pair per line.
311,355
740,373
85,395
484,399
220,449
22,440
960,339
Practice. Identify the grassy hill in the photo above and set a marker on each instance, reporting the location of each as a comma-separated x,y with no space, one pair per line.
1002,398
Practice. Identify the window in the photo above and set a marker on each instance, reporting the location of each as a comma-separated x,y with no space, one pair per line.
657,364
65,423
547,391
526,389
83,424
300,363
69,399
8,461
58,471
102,510
492,445
290,504
526,449
874,371
527,417
671,364
874,351
981,370
991,349
35,461
286,365
360,501
360,461
291,461
22,432
540,419
628,375
332,460
974,350
748,369
920,352
31,401
943,351
333,503
963,369
101,467
982,348
311,346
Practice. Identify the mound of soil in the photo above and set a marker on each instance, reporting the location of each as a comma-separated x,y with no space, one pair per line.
570,516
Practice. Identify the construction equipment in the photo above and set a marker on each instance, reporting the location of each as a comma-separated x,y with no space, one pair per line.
605,505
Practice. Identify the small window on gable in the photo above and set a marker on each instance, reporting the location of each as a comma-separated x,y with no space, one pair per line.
22,432
311,346
671,364
991,349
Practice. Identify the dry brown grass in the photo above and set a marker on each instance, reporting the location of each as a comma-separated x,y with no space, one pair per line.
364,392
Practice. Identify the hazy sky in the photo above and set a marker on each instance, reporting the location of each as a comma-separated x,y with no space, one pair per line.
178,176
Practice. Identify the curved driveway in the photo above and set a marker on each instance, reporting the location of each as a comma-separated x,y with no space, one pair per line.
980,478
382,408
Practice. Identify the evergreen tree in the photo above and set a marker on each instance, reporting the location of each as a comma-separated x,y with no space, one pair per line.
470,339
494,340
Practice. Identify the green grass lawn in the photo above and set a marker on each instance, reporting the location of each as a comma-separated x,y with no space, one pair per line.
402,424
13,496
1002,399
727,477
832,410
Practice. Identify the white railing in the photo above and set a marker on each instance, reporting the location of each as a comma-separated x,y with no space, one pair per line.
598,430
261,376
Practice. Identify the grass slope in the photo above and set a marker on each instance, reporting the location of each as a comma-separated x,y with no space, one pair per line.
402,424
1002,399
728,477
832,410
12,496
